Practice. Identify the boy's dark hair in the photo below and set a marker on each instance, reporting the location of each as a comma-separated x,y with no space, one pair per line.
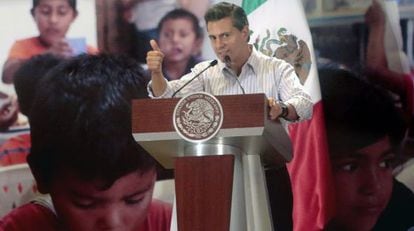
72,3
182,14
27,77
357,113
223,10
81,120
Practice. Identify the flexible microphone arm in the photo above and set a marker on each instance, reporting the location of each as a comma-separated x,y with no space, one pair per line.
212,63
227,60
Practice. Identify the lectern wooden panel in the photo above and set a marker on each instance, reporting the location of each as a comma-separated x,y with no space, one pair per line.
203,192
245,125
209,187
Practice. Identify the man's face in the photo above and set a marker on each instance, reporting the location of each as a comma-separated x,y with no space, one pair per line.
363,183
83,206
53,19
226,39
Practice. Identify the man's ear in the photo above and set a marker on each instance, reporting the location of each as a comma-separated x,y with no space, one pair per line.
41,183
246,32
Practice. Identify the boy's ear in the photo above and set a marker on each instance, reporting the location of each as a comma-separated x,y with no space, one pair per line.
42,185
197,47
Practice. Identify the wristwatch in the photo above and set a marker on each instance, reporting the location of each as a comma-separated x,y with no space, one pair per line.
285,110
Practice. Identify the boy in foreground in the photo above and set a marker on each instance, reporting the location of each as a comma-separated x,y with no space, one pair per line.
83,153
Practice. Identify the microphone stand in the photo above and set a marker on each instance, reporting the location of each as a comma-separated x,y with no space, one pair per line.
212,63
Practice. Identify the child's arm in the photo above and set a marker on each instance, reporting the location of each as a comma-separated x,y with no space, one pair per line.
10,67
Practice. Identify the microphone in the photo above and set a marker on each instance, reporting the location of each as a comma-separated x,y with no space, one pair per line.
227,60
212,63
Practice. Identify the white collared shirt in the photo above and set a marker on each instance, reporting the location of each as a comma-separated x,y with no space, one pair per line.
260,74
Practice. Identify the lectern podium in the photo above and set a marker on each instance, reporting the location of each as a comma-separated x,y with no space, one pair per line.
219,182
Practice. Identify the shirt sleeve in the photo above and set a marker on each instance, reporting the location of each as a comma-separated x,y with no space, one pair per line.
18,51
292,92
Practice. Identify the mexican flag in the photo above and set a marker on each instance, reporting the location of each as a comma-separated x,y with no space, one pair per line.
279,28
397,60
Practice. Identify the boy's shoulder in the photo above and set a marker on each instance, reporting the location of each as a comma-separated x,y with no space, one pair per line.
28,217
159,216
27,42
398,213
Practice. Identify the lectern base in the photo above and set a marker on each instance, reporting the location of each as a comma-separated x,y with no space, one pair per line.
248,207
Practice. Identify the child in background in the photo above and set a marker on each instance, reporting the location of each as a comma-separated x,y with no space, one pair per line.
8,111
15,149
365,133
180,39
53,19
83,153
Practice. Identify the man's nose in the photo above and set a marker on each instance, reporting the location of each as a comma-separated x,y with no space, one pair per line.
219,43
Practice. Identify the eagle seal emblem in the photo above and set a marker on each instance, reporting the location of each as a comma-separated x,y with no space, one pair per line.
288,47
198,117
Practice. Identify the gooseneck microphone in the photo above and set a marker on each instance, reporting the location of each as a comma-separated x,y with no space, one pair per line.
212,63
227,60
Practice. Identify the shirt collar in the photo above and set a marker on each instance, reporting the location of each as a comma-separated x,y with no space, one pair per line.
252,61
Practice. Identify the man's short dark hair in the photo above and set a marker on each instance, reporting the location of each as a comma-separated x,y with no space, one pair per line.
27,77
357,114
182,14
81,120
223,10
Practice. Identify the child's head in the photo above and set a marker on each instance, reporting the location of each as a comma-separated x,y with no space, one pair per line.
53,18
364,131
28,75
83,152
72,3
180,35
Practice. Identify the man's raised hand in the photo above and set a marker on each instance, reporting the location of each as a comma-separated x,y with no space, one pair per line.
155,58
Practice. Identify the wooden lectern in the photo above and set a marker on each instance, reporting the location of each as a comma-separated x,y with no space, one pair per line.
210,177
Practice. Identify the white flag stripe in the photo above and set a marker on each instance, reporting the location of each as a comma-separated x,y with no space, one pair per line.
397,60
291,16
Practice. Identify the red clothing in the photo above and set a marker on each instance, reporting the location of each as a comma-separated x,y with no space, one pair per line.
29,217
27,48
37,217
15,150
409,90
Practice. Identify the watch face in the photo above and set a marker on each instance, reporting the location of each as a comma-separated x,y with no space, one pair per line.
284,110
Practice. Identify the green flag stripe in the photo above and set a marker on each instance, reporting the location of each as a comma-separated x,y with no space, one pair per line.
250,5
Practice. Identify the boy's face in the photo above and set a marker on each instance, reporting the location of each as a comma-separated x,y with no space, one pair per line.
82,205
53,19
363,183
178,40
226,39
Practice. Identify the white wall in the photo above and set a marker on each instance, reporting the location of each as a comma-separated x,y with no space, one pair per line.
16,22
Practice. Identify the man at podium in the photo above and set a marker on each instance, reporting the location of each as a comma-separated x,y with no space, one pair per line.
240,69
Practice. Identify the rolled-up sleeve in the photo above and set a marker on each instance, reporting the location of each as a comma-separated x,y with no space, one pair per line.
292,92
